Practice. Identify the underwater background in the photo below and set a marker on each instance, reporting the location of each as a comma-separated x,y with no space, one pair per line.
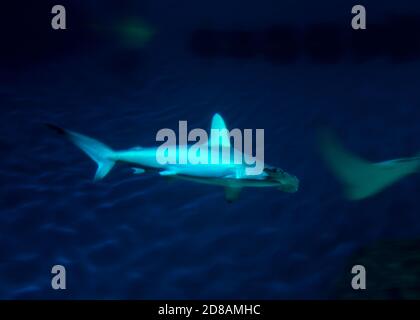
124,70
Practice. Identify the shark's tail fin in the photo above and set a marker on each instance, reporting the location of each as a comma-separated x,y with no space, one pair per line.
359,177
97,151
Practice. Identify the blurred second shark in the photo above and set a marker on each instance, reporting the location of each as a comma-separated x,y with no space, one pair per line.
360,178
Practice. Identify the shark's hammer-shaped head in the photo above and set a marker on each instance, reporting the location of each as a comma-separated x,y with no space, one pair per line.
286,182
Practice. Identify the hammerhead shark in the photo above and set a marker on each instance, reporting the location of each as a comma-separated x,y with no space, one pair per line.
359,177
229,175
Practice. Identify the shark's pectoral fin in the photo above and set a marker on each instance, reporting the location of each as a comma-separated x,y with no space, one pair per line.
138,170
232,193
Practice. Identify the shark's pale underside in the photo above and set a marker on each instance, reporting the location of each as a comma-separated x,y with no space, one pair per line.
229,175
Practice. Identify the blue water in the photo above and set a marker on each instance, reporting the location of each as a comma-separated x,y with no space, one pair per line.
144,237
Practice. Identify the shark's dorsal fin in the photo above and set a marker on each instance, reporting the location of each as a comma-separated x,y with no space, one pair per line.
219,134
232,193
